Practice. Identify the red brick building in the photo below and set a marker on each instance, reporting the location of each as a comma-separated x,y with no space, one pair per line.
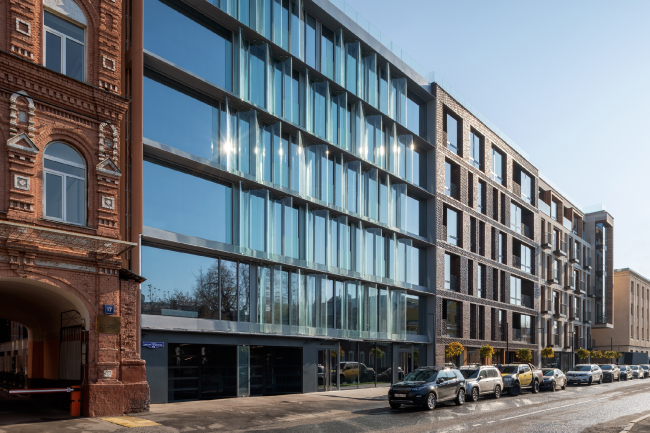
61,134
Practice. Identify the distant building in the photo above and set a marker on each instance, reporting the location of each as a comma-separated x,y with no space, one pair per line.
631,308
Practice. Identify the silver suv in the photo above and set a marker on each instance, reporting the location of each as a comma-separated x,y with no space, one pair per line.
585,373
482,380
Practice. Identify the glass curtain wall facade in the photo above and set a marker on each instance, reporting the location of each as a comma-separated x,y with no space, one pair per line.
285,195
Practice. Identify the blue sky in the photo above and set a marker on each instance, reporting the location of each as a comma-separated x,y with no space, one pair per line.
566,80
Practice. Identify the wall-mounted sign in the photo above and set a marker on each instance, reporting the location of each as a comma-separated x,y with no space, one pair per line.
109,309
108,324
153,344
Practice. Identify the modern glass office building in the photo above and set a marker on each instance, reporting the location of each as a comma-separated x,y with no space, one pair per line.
282,187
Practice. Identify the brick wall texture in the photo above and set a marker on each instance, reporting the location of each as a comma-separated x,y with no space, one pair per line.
37,107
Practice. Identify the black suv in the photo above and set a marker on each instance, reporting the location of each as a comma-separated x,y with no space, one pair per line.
426,386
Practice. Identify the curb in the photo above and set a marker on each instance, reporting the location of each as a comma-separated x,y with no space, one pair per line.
631,424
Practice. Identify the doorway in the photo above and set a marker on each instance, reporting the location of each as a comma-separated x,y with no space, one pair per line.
404,361
326,370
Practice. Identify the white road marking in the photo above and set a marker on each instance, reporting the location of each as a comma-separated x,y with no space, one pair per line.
546,410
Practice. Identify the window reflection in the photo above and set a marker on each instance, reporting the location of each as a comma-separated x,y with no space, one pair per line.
186,43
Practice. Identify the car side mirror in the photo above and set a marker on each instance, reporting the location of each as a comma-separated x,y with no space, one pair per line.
440,380
478,379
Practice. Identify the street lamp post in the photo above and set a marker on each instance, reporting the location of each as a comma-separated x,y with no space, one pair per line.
573,340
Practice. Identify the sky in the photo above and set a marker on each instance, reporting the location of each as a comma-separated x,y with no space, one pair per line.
568,81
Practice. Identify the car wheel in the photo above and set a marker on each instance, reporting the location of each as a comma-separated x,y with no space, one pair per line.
591,380
535,387
460,398
473,396
394,405
430,401
515,390
553,385
564,385
618,380
600,381
497,392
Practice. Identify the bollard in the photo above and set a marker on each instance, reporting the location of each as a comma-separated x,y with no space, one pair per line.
75,401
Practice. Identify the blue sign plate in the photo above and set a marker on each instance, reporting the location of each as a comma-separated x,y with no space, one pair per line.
109,309
153,344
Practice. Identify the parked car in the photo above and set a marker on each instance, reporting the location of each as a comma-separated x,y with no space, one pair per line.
637,371
646,369
428,386
626,372
387,375
519,376
553,378
482,380
585,373
350,372
611,372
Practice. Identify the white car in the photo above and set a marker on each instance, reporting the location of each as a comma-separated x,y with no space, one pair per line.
585,373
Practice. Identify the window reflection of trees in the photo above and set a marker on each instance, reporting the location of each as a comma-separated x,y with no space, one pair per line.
220,293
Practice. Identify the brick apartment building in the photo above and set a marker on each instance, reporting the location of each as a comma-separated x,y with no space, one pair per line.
488,238
61,159
575,291
631,330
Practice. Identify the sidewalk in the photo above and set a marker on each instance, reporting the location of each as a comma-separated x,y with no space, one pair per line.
642,426
229,414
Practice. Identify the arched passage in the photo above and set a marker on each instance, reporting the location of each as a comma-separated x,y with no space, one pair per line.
56,321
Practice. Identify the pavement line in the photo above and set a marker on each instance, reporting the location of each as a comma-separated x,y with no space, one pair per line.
546,410
631,424
131,421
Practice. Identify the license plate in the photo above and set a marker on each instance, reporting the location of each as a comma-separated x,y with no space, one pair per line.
400,395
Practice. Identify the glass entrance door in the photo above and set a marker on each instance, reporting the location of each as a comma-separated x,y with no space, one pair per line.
405,361
326,369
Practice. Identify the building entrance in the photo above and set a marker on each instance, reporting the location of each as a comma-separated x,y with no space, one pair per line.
326,371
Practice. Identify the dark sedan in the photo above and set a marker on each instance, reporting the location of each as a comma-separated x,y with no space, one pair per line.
427,386
611,372
626,372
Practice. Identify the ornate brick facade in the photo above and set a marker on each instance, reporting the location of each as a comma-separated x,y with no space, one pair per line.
48,267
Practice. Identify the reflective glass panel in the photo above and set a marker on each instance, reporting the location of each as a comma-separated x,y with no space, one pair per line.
211,215
182,41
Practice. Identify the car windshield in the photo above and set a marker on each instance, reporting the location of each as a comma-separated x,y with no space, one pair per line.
549,372
508,369
582,368
470,373
605,367
420,376
645,367
634,367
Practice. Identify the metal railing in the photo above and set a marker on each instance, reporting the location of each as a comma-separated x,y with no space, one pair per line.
575,255
547,239
549,306
542,206
524,335
453,191
570,282
452,283
527,301
583,286
587,262
527,230
560,309
451,238
556,340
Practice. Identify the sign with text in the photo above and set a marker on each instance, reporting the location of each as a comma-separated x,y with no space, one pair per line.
108,324
153,344
109,309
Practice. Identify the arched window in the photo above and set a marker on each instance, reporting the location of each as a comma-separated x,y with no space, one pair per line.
64,175
64,33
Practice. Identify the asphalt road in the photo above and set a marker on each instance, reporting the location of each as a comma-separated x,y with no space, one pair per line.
605,408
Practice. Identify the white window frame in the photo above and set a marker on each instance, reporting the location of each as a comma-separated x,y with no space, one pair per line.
63,189
63,37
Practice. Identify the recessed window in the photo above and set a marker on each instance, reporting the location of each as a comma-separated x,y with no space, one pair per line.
64,46
498,166
476,150
452,134
64,176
